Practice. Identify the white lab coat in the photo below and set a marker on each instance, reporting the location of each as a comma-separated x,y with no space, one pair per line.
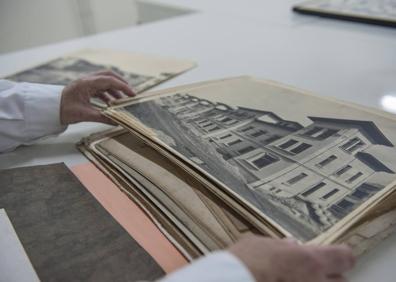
29,112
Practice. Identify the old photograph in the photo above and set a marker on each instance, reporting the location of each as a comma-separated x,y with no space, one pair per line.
305,173
62,71
141,71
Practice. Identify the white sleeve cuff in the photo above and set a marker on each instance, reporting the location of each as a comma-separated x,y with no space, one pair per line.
28,112
216,267
42,109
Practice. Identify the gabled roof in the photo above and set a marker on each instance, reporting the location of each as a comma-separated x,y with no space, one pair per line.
368,128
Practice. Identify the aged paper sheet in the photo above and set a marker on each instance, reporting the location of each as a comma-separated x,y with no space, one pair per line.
141,71
308,170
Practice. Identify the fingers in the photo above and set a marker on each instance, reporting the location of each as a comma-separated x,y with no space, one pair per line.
334,259
106,83
95,115
109,96
115,94
112,74
104,97
75,102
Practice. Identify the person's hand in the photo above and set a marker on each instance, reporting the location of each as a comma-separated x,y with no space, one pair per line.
75,102
271,260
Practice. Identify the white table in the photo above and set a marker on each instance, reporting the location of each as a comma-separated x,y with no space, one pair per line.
350,61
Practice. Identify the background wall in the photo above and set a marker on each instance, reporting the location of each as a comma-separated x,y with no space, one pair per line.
25,24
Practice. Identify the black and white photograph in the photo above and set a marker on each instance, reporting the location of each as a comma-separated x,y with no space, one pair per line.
234,141
64,70
141,71
306,173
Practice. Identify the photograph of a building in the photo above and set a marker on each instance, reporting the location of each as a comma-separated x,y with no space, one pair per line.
305,177
62,71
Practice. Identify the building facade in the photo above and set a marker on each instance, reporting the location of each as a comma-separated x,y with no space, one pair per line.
321,172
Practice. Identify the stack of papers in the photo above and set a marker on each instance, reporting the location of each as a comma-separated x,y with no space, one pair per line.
213,161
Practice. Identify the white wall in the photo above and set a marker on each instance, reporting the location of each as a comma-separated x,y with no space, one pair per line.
25,24
102,15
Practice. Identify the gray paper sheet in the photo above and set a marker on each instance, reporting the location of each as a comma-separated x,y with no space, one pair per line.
66,233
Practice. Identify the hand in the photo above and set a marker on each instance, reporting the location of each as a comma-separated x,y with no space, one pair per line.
75,102
271,260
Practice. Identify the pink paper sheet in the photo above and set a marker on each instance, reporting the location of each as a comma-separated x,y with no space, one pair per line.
130,216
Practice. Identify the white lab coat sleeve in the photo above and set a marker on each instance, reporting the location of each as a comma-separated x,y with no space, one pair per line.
217,267
28,112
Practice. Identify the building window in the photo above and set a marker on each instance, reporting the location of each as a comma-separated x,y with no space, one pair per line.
293,146
214,128
226,119
327,161
300,148
288,143
360,195
211,113
203,122
265,160
258,133
207,125
320,132
331,193
313,189
246,128
345,204
352,145
354,177
370,188
297,178
313,131
343,170
271,138
342,208
364,191
225,136
356,146
326,133
246,150
234,142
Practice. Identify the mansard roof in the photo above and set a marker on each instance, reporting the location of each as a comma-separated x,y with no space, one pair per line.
368,128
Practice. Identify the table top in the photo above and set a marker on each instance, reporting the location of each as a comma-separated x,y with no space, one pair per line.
349,61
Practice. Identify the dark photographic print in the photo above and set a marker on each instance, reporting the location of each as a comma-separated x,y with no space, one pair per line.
62,71
141,71
304,170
